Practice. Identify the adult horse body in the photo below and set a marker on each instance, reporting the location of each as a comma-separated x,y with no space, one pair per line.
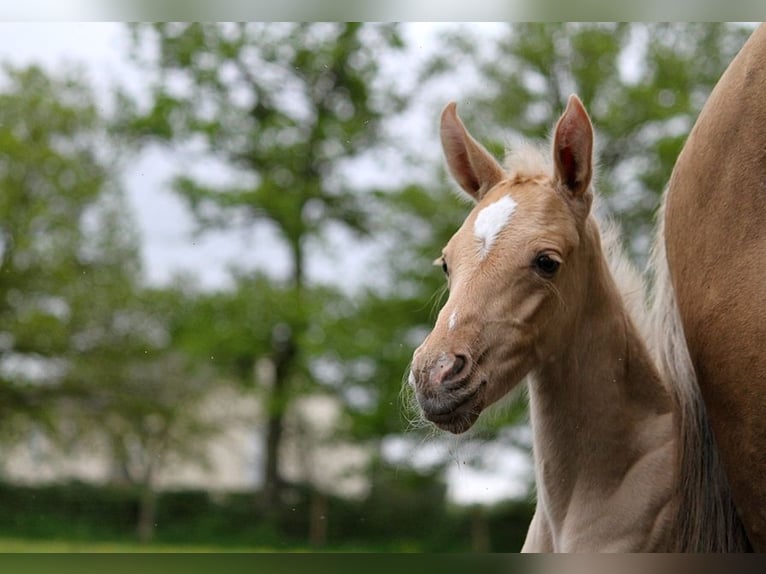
532,292
715,236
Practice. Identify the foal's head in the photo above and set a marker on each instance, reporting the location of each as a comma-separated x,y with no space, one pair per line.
515,269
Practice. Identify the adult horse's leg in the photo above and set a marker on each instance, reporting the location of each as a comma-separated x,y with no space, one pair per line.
715,234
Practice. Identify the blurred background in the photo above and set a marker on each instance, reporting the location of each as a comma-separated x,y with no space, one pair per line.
215,263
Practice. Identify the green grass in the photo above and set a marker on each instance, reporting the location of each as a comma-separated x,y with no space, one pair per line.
36,546
57,546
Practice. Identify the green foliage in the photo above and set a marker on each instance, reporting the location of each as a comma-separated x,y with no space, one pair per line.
86,354
404,511
58,226
228,328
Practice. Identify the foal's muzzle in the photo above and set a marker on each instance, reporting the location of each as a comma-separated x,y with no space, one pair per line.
445,391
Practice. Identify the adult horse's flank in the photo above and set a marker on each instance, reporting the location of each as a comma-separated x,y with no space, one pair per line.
533,293
715,232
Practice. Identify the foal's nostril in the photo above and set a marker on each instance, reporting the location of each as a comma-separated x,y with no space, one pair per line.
447,372
457,373
457,366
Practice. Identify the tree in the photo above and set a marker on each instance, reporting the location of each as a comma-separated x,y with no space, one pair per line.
53,184
133,394
282,107
86,356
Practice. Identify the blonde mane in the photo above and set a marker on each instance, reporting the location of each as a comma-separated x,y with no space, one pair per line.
528,161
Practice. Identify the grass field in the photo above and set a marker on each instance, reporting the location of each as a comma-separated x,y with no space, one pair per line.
22,545
10,545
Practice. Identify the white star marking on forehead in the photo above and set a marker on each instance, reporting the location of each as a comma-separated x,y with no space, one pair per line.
491,221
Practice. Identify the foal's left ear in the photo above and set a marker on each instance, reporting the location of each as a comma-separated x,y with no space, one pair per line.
472,166
573,148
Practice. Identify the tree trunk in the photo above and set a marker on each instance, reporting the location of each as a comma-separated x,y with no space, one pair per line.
284,355
272,483
480,540
284,352
147,503
318,519
147,514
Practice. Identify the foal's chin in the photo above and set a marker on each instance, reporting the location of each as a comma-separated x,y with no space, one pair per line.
457,424
454,414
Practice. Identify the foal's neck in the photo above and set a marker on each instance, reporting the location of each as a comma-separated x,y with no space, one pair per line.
603,435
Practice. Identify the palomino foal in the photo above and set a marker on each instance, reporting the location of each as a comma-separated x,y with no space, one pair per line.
531,293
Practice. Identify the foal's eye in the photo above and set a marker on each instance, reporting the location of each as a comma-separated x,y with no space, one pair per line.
546,265
442,262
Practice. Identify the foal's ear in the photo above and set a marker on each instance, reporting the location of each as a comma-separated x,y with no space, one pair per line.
472,166
573,148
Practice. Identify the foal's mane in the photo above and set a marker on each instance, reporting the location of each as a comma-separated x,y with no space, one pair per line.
528,161
706,518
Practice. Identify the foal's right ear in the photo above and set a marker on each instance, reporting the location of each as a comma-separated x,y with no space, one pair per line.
472,166
573,148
